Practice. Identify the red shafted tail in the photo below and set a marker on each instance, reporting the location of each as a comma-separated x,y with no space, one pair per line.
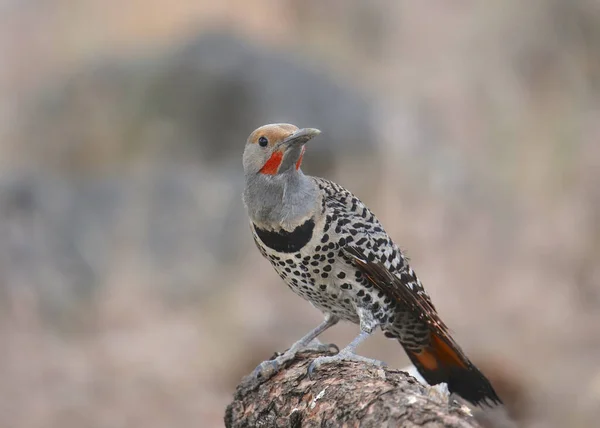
443,361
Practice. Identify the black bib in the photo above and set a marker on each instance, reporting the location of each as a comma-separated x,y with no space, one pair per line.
287,242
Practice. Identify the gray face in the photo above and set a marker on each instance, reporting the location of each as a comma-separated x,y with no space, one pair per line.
276,193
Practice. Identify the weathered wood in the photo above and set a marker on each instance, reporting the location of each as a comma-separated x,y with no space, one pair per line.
347,394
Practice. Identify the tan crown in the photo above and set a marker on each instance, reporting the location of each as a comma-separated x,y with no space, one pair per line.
274,133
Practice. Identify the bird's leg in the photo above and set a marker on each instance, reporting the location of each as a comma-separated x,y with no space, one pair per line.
267,369
367,327
329,321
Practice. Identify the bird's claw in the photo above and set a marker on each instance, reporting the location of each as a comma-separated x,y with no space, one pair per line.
311,368
267,369
333,348
341,356
317,346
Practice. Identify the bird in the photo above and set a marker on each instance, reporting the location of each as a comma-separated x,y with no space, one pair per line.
330,249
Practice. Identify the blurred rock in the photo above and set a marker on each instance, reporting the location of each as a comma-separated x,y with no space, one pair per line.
199,101
54,237
62,239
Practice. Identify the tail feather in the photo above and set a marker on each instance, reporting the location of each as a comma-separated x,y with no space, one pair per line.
442,361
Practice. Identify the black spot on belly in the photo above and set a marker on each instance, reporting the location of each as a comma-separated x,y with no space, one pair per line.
284,241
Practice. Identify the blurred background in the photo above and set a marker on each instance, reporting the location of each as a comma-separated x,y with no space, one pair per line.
130,290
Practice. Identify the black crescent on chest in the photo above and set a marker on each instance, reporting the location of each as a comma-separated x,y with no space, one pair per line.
286,242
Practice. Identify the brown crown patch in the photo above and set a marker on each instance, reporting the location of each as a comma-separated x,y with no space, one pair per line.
274,133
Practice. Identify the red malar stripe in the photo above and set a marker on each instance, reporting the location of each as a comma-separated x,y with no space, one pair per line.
299,161
272,165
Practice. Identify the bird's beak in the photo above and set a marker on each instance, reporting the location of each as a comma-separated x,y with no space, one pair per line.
300,137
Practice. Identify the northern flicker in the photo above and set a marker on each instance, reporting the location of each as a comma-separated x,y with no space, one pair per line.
330,249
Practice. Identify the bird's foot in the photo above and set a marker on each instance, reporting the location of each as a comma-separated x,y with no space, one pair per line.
343,355
267,369
317,346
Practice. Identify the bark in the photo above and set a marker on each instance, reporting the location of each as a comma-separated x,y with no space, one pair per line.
345,394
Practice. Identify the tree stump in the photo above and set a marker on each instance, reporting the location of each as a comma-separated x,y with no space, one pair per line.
346,394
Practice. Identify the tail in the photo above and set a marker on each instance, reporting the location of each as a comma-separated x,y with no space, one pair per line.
443,361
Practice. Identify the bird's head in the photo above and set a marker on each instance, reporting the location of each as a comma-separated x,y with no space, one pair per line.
276,148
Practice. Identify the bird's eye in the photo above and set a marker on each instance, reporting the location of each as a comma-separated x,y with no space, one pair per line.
263,141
